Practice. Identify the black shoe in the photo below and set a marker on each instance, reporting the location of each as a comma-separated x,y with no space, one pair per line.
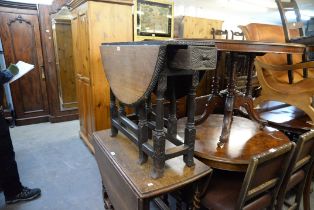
25,195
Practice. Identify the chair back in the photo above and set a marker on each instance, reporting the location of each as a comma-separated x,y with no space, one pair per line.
216,33
298,170
292,28
264,176
235,34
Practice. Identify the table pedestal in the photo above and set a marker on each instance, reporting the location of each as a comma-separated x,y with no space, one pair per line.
231,98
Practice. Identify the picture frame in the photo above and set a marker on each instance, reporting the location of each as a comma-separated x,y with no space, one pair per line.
153,19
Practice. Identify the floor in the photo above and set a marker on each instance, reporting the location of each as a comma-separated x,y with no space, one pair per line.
53,158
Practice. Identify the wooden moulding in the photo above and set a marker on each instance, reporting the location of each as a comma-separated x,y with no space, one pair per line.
75,3
18,5
132,69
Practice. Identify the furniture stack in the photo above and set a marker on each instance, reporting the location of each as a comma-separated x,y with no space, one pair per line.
169,70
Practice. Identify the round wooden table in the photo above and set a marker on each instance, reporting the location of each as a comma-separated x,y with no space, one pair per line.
238,49
246,139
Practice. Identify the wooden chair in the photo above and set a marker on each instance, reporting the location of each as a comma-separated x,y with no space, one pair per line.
237,34
293,29
297,94
307,189
257,189
298,171
219,33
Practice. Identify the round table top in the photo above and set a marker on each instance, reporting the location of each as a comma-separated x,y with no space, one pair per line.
246,140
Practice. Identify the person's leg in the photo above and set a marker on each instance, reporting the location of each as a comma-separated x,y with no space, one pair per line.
9,173
12,187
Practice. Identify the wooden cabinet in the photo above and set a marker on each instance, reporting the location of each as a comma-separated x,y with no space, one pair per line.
194,27
20,35
94,23
62,38
61,94
26,34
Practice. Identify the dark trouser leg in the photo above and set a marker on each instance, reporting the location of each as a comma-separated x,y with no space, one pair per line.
9,175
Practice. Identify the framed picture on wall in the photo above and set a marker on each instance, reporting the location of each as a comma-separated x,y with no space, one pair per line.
153,19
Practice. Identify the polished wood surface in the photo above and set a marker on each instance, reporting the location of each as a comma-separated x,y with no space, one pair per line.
128,183
20,35
96,22
246,139
287,118
258,47
123,75
194,27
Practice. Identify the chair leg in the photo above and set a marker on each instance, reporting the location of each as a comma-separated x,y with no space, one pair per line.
196,199
280,200
307,190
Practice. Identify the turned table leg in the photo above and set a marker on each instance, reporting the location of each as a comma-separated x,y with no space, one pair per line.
159,135
230,98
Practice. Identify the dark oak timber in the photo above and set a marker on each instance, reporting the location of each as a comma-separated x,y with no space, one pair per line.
127,183
160,69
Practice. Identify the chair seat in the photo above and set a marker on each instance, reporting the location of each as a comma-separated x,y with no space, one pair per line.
306,40
223,193
223,190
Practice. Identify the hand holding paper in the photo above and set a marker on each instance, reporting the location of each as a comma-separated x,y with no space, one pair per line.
23,68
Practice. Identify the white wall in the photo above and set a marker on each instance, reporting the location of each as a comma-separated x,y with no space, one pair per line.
233,12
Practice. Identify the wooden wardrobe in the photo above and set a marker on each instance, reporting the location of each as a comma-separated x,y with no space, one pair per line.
21,40
26,34
94,23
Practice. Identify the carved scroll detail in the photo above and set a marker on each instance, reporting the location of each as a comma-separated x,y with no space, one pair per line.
20,19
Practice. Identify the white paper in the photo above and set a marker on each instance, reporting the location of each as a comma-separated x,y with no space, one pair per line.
24,68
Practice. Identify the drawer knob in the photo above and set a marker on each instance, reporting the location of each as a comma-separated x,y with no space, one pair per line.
206,57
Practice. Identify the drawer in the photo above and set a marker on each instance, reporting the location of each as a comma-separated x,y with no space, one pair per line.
195,58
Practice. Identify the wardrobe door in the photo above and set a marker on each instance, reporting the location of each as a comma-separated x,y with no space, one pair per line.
21,41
